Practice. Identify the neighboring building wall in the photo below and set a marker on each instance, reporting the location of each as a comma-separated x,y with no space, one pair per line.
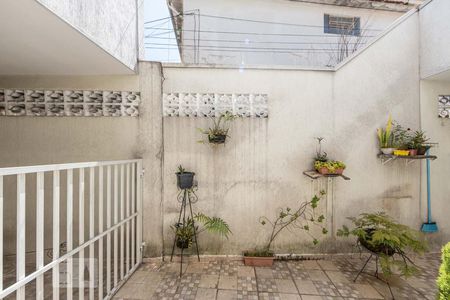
434,44
110,24
309,50
438,130
48,140
260,168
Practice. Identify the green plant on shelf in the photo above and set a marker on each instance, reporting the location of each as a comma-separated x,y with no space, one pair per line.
385,137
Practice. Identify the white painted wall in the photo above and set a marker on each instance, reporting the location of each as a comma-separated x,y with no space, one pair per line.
434,42
438,130
48,140
309,14
260,169
112,24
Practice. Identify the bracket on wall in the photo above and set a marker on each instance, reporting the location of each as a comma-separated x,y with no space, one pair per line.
315,175
386,158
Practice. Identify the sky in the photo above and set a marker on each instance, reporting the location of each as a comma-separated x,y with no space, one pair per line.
154,10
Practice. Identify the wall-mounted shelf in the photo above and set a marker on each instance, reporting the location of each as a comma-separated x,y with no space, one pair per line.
315,175
385,158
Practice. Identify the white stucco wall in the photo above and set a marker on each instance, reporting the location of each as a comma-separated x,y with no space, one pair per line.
260,168
438,130
111,24
381,80
308,14
434,42
48,140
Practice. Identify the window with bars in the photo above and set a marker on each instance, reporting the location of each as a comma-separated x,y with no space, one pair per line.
342,25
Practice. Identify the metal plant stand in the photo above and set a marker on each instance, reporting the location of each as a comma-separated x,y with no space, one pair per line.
377,258
186,197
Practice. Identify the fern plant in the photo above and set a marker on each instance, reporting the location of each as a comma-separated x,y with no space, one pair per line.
185,232
391,241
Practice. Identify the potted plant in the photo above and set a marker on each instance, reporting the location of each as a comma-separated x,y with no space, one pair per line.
219,132
385,138
286,219
184,233
185,180
402,139
330,167
320,156
387,239
321,167
418,142
339,167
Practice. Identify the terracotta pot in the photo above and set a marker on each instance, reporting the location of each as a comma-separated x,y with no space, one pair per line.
339,171
412,152
323,171
258,261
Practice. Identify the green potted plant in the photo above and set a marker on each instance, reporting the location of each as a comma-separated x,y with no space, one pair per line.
443,280
402,138
219,132
339,167
286,219
418,142
330,167
390,241
320,156
385,138
185,180
185,232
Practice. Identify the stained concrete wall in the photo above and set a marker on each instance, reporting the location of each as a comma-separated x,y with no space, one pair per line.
381,80
434,44
260,168
113,25
438,131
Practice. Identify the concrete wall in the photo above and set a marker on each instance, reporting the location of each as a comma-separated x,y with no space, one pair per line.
434,44
260,168
112,25
47,140
438,131
381,80
307,45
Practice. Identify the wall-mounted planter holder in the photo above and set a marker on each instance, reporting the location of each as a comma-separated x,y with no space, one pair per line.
386,158
313,174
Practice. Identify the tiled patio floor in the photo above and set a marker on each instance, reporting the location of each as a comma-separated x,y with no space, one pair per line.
329,278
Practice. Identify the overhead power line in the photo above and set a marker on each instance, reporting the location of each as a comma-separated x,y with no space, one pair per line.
253,42
235,47
254,33
247,51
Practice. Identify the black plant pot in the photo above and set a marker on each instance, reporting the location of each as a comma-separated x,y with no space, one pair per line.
185,180
183,243
422,150
378,249
217,139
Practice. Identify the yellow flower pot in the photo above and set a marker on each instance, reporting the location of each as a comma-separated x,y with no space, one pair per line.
401,152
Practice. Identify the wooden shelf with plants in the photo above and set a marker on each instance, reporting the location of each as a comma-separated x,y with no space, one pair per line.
324,167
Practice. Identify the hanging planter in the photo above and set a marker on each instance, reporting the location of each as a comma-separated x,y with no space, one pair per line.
217,139
185,180
219,132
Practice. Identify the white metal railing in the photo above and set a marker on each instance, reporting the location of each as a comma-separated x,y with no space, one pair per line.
112,189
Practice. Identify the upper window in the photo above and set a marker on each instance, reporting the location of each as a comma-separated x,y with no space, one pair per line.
342,25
